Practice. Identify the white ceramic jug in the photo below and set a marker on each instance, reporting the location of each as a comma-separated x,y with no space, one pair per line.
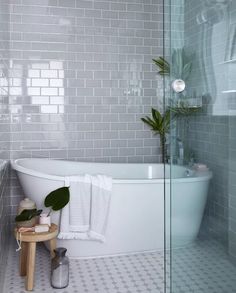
27,204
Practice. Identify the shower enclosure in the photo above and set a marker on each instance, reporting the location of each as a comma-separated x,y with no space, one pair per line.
200,92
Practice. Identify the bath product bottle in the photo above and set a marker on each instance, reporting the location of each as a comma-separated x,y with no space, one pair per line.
26,204
60,269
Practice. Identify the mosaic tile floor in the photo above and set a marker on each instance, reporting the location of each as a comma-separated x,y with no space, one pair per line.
200,268
203,267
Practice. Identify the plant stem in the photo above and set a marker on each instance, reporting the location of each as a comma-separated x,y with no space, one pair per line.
49,212
163,149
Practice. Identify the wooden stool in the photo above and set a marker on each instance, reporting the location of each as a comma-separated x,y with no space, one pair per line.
28,250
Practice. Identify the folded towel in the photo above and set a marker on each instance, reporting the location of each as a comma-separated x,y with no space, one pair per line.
100,202
79,207
86,215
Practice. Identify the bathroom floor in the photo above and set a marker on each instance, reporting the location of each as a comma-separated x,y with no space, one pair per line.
200,268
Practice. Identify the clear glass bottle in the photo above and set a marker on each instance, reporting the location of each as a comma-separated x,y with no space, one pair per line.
60,269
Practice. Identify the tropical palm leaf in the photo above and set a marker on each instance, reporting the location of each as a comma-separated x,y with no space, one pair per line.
163,66
160,124
154,122
181,64
149,122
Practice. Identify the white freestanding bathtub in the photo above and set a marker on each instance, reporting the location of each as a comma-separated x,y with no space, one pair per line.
139,198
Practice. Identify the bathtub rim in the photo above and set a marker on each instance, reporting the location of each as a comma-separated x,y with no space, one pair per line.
202,176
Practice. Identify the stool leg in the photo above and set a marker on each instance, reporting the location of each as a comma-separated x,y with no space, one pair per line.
53,245
30,266
23,258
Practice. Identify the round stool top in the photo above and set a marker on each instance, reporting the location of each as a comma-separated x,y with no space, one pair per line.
37,237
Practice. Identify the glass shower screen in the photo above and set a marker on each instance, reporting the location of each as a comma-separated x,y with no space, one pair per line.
199,70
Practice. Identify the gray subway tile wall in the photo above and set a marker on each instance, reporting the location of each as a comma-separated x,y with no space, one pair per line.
232,156
81,77
4,216
5,128
232,188
204,136
210,133
205,140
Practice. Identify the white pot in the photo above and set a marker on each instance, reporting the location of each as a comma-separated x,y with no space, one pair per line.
45,219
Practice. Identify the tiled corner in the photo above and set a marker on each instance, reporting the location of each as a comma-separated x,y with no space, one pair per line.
211,134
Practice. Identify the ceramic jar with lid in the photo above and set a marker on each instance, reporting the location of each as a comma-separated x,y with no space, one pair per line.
27,204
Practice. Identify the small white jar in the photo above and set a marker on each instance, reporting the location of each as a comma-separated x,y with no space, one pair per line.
45,219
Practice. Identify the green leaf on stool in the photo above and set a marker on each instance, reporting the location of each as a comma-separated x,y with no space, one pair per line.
27,215
57,199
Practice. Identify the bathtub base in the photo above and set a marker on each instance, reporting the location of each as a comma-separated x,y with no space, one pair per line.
128,227
83,250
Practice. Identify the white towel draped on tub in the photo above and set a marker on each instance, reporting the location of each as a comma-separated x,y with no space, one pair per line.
85,216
